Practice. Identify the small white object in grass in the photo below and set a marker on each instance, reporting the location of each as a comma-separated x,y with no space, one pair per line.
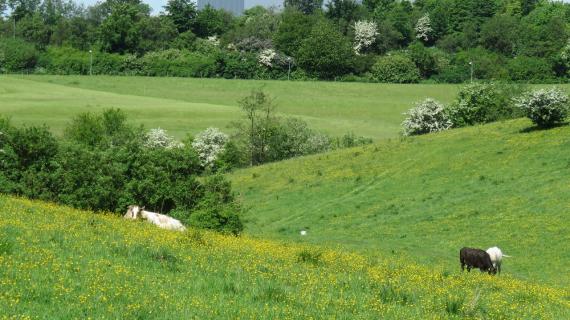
303,232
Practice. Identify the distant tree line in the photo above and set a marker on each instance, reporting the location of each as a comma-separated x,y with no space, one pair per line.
376,40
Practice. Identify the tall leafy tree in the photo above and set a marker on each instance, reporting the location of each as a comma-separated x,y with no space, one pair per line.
182,13
23,8
500,34
33,29
156,33
120,32
528,5
210,21
326,52
344,13
292,30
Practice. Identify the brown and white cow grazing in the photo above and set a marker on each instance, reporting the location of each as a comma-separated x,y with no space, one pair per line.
476,258
161,220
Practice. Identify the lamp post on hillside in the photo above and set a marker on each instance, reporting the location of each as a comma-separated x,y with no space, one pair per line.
90,62
471,64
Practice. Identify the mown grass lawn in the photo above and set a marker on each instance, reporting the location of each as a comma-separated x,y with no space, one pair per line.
183,105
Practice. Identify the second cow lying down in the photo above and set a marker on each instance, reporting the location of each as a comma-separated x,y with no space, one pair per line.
161,220
476,258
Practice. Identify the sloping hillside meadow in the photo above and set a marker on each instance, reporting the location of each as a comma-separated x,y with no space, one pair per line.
426,197
384,222
60,263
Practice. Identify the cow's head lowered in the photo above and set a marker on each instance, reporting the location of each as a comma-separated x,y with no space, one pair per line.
133,212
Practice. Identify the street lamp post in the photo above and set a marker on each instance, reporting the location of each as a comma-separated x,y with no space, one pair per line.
289,70
90,62
471,64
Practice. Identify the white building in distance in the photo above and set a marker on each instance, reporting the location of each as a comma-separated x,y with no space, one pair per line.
234,6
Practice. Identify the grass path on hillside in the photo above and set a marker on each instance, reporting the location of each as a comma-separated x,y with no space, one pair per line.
373,110
60,263
426,197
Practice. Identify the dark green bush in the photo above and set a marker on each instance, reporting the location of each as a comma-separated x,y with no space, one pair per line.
239,65
26,155
530,69
395,69
292,137
484,102
218,209
103,130
452,74
9,169
67,60
486,64
178,63
17,55
426,59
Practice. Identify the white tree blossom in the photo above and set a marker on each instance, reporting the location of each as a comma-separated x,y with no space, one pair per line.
427,116
266,57
159,138
209,144
365,33
214,40
424,30
545,107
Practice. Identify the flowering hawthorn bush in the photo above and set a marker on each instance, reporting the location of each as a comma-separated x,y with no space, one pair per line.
365,33
209,144
266,57
427,116
159,138
545,107
424,30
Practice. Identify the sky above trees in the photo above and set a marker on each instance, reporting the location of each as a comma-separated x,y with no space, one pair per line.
158,4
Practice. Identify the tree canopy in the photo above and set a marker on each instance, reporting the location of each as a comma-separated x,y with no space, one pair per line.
304,40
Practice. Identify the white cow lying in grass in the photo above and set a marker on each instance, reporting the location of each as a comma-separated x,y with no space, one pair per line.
496,257
161,220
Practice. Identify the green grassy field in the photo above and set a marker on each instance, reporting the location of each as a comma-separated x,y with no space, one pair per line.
426,197
370,211
60,263
183,105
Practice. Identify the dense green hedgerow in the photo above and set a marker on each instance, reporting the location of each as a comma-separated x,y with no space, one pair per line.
104,165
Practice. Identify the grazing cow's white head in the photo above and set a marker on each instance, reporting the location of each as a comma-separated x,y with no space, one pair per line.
132,212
